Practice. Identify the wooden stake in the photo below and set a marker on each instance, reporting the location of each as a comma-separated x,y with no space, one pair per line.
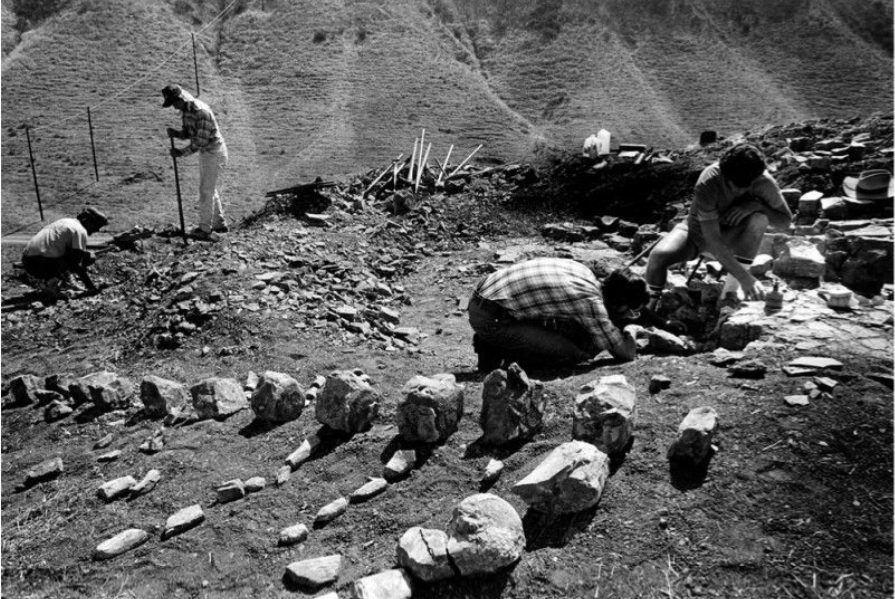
444,168
456,170
412,159
376,180
419,172
92,144
196,65
420,157
40,206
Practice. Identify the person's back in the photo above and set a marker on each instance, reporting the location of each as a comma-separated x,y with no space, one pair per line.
57,238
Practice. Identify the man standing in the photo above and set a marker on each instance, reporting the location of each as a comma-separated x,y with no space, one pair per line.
734,202
61,248
201,128
552,311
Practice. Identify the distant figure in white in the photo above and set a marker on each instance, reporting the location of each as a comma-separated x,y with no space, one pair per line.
201,128
597,145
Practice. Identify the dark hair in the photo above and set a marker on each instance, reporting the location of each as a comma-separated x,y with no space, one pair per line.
742,164
622,287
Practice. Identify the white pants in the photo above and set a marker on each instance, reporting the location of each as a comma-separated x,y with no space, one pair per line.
211,211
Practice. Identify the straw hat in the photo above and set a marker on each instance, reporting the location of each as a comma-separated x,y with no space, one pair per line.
870,186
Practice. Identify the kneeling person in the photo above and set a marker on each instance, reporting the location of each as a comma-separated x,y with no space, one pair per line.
60,248
552,311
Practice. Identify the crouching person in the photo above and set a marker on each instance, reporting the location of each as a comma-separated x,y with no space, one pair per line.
552,312
59,249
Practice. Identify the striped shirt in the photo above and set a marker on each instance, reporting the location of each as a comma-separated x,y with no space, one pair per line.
200,126
553,288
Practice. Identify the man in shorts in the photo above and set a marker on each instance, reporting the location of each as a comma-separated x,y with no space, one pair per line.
734,202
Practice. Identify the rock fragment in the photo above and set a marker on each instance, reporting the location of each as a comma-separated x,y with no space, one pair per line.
430,409
147,484
232,490
371,489
119,487
46,470
331,511
277,398
424,552
293,535
485,534
183,520
400,465
161,396
695,435
492,471
300,455
255,484
512,406
120,543
571,478
347,402
388,584
218,398
605,413
312,574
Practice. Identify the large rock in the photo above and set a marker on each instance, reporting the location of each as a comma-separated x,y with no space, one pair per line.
119,487
485,535
424,552
46,470
161,397
512,406
570,479
311,574
115,393
695,435
277,398
800,259
79,389
430,409
24,389
605,413
388,584
347,403
218,398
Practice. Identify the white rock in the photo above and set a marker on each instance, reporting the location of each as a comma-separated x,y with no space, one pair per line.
114,489
389,584
123,541
331,511
147,484
300,455
492,471
218,398
255,484
424,552
293,534
183,520
485,535
570,479
400,464
371,489
314,573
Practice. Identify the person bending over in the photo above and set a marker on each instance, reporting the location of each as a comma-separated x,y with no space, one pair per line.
552,311
60,248
734,202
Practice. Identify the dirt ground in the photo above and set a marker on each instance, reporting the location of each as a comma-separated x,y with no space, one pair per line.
795,502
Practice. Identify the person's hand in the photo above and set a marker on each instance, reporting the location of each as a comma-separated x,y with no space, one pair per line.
752,289
173,132
176,153
738,212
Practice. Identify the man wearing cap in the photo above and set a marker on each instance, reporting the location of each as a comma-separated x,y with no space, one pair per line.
734,202
61,248
201,128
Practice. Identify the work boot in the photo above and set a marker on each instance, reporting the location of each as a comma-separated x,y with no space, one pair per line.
489,358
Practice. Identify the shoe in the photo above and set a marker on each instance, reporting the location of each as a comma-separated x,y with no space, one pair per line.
221,229
487,354
201,235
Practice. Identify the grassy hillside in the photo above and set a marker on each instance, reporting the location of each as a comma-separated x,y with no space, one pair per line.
328,88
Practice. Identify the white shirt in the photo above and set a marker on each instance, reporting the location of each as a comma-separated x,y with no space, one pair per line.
54,240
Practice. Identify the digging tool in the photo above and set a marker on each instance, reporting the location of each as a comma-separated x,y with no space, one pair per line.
179,199
693,272
641,254
382,174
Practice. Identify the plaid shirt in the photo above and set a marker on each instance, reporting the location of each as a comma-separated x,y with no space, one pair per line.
553,288
201,127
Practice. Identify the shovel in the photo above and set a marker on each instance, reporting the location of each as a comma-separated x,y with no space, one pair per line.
179,199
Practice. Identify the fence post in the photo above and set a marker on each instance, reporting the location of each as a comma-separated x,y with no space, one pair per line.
92,144
195,65
34,172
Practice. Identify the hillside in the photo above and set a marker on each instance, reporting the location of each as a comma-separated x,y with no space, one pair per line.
307,89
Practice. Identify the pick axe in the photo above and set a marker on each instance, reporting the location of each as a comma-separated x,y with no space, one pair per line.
179,199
